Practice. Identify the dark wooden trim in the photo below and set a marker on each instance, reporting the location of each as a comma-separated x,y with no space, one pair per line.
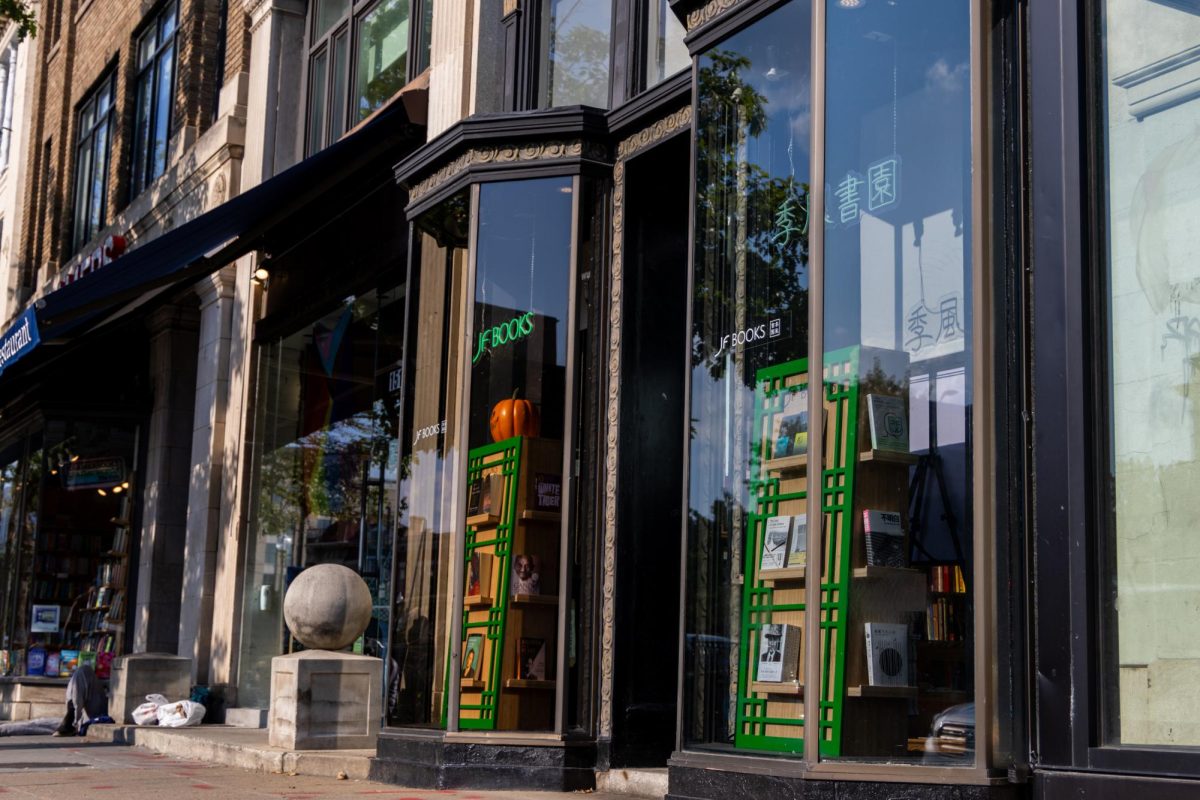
675,92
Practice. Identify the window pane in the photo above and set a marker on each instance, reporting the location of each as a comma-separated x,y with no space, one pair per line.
96,191
141,123
666,53
381,63
83,181
517,425
146,47
329,13
316,101
432,454
1152,577
167,22
575,59
746,496
898,556
337,95
165,75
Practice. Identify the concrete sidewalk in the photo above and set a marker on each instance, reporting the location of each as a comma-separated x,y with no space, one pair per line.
244,748
247,748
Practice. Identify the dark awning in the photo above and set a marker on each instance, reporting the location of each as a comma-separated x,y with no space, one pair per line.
229,231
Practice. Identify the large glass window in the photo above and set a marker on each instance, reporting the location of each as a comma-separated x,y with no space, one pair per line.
93,149
433,459
155,87
511,656
1150,133
366,39
575,52
749,323
898,560
324,472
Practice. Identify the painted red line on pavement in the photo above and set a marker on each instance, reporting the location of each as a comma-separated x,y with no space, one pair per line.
202,786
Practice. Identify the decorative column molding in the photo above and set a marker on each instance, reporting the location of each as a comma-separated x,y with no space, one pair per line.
644,139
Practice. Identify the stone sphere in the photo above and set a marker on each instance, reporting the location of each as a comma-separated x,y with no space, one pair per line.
327,607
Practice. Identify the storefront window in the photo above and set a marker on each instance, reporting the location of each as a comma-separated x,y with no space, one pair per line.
749,340
431,441
1151,136
510,647
576,37
896,632
324,472
11,485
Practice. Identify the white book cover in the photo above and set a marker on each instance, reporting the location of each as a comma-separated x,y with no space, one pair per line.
798,544
887,654
778,653
889,423
775,543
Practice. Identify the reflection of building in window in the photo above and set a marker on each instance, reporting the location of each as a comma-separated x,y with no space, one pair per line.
8,83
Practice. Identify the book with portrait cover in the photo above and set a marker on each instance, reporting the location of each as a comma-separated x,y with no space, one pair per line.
531,661
798,543
526,574
479,574
789,434
472,656
887,653
779,653
883,533
775,544
888,422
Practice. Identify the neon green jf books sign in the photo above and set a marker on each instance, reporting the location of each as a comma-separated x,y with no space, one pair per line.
509,332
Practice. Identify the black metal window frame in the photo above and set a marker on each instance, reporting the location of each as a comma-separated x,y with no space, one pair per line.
102,121
1071,637
144,167
321,44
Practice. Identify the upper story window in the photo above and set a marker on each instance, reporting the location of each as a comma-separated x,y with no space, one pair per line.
93,150
8,83
358,58
576,36
155,92
665,52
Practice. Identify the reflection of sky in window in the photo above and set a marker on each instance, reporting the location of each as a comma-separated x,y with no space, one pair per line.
898,86
524,250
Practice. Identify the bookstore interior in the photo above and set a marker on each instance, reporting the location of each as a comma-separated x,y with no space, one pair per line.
67,503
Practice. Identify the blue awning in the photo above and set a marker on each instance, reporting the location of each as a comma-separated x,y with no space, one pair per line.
217,237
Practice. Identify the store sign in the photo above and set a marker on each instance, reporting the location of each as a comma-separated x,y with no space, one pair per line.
19,339
429,430
95,473
112,248
749,337
509,332
855,193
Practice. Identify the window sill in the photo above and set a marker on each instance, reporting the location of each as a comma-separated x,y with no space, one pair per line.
84,7
54,50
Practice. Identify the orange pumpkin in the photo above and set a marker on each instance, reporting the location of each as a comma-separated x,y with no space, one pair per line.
513,417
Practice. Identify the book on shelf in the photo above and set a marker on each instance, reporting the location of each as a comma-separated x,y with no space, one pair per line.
883,533
531,660
479,574
775,543
526,574
484,495
798,543
888,423
789,432
944,620
887,653
472,658
779,653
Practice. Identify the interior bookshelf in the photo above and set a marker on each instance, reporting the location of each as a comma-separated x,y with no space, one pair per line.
856,716
510,588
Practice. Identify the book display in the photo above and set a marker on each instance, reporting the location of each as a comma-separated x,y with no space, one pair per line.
510,591
867,587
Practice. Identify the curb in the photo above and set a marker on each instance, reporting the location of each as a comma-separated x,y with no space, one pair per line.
195,746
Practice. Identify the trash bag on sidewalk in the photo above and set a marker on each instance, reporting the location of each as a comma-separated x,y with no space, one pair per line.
147,712
182,714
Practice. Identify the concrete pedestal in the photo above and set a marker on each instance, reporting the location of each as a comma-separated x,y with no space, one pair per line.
135,676
322,700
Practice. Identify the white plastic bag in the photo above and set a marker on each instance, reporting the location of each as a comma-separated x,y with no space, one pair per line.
147,712
183,714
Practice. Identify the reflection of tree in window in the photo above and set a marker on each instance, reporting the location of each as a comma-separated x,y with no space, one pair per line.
578,48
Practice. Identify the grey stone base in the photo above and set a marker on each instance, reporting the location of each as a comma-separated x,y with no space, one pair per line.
324,701
429,763
246,717
135,676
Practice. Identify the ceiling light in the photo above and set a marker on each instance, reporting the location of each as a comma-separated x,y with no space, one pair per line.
852,3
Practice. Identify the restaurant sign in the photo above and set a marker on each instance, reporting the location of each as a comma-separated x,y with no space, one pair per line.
19,339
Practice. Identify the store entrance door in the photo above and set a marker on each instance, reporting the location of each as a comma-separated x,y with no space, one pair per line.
650,478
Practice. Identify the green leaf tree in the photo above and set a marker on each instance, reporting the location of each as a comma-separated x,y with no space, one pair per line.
19,13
